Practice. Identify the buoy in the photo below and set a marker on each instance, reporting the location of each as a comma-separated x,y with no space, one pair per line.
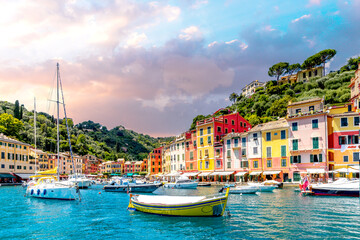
99,192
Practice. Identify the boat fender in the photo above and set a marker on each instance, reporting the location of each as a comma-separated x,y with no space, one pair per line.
44,192
38,192
32,192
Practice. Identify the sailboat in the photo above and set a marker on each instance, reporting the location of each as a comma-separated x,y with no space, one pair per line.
48,184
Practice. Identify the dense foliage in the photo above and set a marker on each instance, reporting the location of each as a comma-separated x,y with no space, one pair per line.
86,138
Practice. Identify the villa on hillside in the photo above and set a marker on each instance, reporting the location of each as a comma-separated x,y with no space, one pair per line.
250,89
302,76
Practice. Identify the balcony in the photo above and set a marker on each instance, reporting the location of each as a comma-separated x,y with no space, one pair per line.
297,115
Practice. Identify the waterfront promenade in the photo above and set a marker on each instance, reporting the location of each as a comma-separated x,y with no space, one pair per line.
283,214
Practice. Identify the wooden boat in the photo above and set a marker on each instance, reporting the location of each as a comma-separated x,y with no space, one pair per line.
189,206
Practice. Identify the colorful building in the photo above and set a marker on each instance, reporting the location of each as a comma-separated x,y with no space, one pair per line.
155,161
210,132
344,144
191,151
166,159
355,90
42,159
308,138
250,89
254,153
275,150
303,76
177,154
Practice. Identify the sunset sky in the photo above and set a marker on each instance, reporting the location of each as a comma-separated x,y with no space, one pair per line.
153,66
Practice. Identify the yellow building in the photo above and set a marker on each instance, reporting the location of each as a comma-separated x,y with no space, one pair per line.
205,145
166,159
117,167
302,76
250,89
275,162
15,159
42,159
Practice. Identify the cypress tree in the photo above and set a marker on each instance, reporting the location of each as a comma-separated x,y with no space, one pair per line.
17,110
21,111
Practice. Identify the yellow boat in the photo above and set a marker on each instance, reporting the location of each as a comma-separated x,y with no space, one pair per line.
189,206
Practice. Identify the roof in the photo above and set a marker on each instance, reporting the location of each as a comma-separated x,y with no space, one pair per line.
256,81
233,135
10,140
281,123
305,101
346,114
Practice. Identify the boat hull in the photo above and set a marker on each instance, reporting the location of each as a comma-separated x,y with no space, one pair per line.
213,208
50,192
139,188
243,190
191,185
337,192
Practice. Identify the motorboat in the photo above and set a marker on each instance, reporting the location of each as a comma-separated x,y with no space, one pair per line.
262,187
244,190
80,179
124,185
204,184
341,187
273,183
182,182
48,187
189,206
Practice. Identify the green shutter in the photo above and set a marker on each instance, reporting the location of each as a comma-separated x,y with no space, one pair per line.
320,157
299,159
291,159
316,143
283,151
311,158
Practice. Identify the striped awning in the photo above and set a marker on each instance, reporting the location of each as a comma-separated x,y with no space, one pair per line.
255,173
204,174
190,174
271,172
315,170
241,173
221,173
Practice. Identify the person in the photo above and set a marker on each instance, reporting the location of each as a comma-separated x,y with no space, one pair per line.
304,183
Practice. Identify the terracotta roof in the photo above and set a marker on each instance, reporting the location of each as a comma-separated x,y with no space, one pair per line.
305,101
281,123
10,140
346,114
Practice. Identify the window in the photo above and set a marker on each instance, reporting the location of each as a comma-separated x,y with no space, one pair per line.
255,164
283,162
236,142
191,155
356,121
283,134
228,142
243,152
243,142
311,108
219,129
244,125
342,140
255,150
201,165
191,166
209,130
268,136
226,121
344,122
228,154
315,123
232,122
218,164
315,143
315,72
18,167
255,136
201,132
241,124
268,152
298,110
283,151
217,152
194,143
2,155
206,153
304,75
226,130
315,158
209,139
294,126
268,163
295,143
310,74
183,157
349,137
349,108
206,164
295,159
346,158
356,156
228,164
355,139
201,141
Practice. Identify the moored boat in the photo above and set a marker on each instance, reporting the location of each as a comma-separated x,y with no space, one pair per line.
244,190
182,182
341,187
133,187
262,187
80,179
190,206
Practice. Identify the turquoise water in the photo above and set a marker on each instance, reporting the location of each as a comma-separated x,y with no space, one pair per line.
279,215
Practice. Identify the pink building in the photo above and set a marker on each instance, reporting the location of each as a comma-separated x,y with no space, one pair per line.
307,138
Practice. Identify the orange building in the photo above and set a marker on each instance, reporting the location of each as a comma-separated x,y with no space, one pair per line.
155,161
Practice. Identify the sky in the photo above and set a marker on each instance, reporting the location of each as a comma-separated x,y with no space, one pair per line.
152,66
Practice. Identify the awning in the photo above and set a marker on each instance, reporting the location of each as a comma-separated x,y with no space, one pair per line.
241,173
190,174
315,170
221,173
271,172
24,175
255,173
174,174
6,175
346,170
204,174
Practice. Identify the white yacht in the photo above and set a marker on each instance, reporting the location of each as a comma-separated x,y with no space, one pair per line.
182,182
80,179
342,187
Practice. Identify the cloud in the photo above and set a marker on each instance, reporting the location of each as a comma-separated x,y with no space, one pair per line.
301,18
190,33
314,2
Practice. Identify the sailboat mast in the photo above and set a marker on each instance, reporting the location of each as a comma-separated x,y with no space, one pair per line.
57,122
35,133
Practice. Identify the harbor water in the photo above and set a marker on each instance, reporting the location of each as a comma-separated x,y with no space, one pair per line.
283,214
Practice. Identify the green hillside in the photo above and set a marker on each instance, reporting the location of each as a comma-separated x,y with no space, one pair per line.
86,137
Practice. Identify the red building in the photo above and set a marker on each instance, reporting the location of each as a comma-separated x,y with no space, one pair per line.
91,164
155,161
190,151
